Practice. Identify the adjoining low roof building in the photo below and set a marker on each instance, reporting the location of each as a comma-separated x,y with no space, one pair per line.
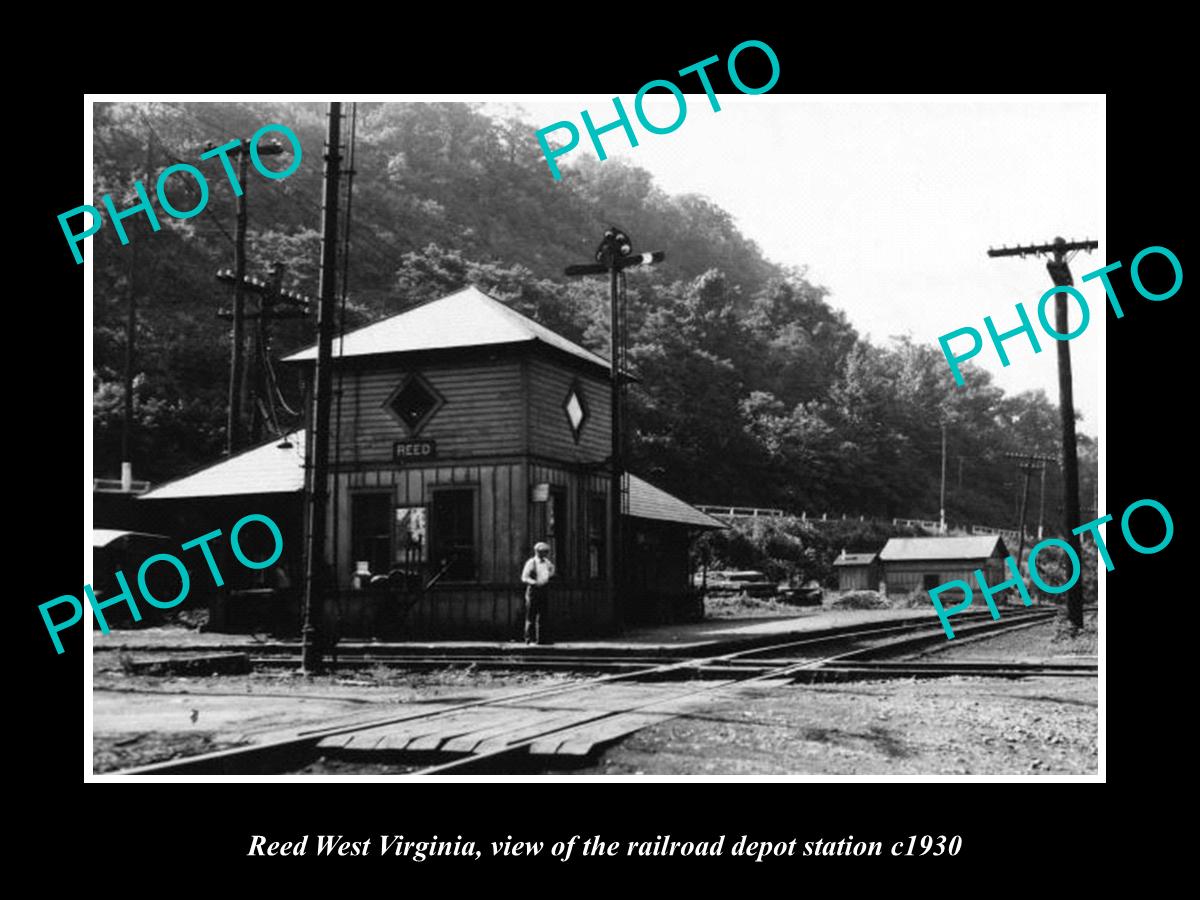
922,563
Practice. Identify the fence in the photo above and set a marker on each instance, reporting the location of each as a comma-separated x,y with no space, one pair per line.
927,525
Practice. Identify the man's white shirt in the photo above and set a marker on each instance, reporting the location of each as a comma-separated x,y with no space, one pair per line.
538,569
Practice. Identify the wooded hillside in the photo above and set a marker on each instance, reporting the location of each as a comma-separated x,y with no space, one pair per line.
755,390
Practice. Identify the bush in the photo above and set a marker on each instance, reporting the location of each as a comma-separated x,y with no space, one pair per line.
1054,569
861,600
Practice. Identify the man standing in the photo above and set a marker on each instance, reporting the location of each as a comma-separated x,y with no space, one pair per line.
536,576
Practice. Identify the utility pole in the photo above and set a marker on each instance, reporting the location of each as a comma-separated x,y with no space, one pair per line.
613,256
130,341
233,429
341,322
1060,274
318,488
256,365
1042,503
1029,463
274,303
237,378
942,513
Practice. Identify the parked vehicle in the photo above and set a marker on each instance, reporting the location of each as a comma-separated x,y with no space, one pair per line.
807,594
754,584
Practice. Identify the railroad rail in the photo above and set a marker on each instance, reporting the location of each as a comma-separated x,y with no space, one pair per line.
837,653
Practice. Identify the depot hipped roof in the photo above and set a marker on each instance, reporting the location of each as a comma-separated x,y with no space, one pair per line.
466,318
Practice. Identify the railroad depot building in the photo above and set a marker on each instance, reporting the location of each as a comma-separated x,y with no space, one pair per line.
923,563
464,432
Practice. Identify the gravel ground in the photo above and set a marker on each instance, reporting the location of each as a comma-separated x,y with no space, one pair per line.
324,766
124,751
1040,642
943,727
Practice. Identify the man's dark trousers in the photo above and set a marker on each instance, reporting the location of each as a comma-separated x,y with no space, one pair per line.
535,609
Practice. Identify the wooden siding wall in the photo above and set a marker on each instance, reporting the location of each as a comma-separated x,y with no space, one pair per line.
489,612
482,414
576,487
549,431
501,428
905,577
507,526
858,578
657,556
501,494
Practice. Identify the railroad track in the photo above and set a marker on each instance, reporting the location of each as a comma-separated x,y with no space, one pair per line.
557,719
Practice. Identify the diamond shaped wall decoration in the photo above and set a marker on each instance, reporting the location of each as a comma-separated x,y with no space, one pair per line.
414,402
576,409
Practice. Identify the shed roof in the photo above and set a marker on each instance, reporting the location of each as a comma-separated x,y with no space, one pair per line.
466,318
648,502
856,559
978,546
265,469
269,469
102,537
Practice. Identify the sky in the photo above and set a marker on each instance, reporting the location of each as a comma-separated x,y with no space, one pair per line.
892,205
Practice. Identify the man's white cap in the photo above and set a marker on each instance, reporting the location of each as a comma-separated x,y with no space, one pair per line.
541,545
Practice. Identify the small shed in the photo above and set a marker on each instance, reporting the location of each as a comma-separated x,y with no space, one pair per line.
923,563
857,571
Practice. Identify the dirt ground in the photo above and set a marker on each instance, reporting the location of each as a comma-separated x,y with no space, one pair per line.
895,727
143,719
950,726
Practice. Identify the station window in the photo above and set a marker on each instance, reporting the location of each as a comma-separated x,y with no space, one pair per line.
597,535
412,544
371,531
452,534
558,531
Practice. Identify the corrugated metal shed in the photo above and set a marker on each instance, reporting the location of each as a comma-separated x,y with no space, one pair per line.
266,469
941,548
648,502
466,318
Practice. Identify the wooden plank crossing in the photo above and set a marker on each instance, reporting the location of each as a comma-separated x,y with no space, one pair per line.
583,741
569,724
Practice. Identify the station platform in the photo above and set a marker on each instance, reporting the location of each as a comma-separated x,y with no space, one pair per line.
707,638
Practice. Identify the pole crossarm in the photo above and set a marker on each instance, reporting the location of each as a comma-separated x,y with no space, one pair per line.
1058,246
257,286
622,262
